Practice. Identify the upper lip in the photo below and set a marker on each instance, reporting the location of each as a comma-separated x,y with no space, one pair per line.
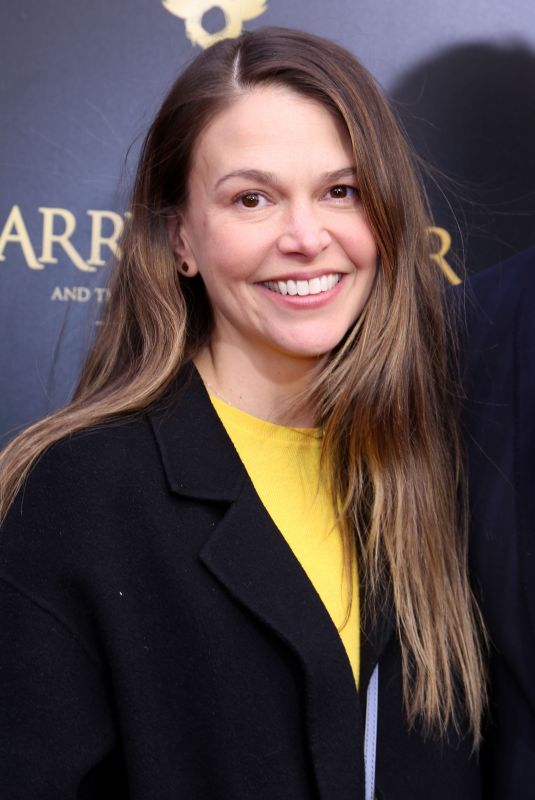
303,276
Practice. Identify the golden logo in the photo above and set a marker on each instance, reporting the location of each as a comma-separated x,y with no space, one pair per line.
234,11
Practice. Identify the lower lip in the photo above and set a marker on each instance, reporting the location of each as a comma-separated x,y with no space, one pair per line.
308,301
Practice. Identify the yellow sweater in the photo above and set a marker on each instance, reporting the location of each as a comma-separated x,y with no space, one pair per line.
284,467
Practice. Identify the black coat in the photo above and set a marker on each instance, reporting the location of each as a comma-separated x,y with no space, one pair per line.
160,641
500,435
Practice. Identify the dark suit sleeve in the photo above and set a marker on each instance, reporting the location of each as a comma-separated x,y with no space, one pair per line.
57,727
56,732
500,442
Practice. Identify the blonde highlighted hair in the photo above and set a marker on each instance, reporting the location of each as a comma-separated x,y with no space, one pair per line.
386,397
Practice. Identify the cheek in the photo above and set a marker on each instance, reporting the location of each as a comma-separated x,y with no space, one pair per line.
357,241
365,249
363,255
236,252
222,270
221,239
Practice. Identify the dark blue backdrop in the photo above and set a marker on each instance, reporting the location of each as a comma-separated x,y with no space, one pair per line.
81,81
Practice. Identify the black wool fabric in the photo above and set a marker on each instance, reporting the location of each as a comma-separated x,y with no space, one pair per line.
159,640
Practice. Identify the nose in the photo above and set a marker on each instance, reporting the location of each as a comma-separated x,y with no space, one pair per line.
303,232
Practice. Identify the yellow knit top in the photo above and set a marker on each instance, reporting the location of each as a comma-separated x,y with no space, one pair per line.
284,467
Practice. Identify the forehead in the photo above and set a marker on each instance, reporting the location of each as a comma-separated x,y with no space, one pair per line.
273,126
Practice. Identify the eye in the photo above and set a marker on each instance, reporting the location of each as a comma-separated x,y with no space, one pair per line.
251,200
342,192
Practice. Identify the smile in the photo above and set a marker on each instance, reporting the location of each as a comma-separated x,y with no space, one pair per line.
304,288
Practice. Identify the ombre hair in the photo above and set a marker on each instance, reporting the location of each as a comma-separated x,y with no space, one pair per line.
386,396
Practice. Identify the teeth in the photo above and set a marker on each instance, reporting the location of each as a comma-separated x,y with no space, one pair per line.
304,288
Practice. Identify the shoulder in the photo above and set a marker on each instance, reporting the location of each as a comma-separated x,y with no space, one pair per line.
493,315
80,464
83,512
75,492
108,446
507,276
498,355
495,296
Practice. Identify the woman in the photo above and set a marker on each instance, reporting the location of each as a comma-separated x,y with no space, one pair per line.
251,505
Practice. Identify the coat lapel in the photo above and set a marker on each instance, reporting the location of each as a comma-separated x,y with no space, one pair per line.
250,558
375,634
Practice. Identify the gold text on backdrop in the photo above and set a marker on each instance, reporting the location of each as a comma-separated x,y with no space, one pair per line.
236,12
444,239
59,225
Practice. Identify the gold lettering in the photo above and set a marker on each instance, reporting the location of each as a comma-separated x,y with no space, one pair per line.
15,231
83,293
102,294
439,257
98,240
57,294
63,239
79,294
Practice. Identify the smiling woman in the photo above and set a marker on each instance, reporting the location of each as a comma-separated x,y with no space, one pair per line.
234,566
284,249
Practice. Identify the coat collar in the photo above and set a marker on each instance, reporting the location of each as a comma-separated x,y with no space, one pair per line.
250,558
198,457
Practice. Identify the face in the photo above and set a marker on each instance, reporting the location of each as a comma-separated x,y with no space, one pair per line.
275,228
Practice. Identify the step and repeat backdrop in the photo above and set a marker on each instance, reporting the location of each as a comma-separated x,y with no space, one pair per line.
82,80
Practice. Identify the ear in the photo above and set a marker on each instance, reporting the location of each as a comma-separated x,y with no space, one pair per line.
184,259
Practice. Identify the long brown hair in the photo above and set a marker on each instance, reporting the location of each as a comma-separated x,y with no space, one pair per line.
386,396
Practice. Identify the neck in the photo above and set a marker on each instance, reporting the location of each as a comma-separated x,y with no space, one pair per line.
269,390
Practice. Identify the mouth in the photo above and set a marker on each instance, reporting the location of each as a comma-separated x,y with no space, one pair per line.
303,288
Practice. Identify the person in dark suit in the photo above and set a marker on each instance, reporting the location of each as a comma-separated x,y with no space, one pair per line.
499,430
234,566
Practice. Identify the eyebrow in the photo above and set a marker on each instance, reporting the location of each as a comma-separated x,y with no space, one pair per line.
269,177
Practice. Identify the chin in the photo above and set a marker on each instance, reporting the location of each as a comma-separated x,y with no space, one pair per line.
311,351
